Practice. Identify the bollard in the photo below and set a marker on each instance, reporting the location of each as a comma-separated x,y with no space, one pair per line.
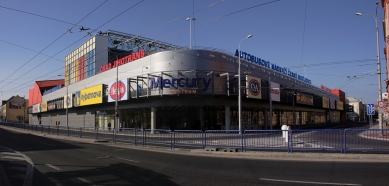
284,128
288,132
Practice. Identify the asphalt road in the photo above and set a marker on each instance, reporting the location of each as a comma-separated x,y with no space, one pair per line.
63,162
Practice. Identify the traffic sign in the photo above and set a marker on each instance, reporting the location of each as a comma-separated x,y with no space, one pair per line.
370,109
381,104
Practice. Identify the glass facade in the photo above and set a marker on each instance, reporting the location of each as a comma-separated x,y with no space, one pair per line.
212,118
80,64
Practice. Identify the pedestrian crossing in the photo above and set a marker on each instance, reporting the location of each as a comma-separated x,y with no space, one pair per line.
17,167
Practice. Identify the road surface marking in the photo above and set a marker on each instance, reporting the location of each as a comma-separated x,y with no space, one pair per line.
30,166
47,144
128,160
308,182
86,181
13,157
52,166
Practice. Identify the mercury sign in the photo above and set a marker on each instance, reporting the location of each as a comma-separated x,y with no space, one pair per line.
159,83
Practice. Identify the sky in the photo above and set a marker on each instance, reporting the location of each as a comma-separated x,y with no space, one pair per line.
323,40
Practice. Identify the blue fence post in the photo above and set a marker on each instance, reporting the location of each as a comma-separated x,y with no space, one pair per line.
174,139
135,135
113,136
204,139
80,132
244,141
242,137
171,140
290,143
143,138
341,142
344,141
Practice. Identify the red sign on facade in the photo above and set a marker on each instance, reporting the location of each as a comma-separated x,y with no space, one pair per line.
120,92
122,61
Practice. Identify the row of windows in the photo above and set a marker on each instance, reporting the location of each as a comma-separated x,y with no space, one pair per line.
82,50
81,68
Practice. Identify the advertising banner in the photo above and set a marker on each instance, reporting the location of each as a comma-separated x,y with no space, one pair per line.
51,106
76,100
304,99
325,88
325,102
68,101
339,105
44,106
253,85
275,91
92,95
122,91
332,103
36,108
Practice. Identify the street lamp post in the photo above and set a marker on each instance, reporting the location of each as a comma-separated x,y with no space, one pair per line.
239,94
270,107
294,110
190,30
67,105
378,61
116,97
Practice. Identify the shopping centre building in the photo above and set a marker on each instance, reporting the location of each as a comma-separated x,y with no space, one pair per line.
150,84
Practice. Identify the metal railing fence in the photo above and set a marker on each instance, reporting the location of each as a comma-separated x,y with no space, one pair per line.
349,140
188,138
129,135
366,140
223,139
158,137
318,139
265,140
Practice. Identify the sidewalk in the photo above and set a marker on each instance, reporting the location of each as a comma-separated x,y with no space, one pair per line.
376,133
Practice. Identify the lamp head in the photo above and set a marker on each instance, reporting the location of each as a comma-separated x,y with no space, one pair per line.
358,14
249,36
187,19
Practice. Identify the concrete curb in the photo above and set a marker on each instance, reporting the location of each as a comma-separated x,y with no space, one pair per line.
298,156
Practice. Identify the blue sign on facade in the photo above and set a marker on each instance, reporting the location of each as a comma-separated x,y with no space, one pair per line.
267,64
370,109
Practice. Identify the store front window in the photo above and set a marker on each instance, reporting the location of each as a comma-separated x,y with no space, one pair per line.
103,118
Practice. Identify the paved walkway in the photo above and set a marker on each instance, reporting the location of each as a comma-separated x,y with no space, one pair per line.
377,134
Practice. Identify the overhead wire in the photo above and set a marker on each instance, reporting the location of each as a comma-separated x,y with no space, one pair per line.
46,17
171,21
212,19
262,4
46,48
78,39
